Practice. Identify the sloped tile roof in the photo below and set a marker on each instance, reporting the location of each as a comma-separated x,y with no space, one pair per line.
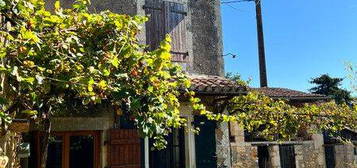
215,85
287,93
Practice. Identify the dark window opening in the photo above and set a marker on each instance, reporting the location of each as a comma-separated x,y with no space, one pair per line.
173,155
70,149
81,149
55,149
287,156
330,156
263,157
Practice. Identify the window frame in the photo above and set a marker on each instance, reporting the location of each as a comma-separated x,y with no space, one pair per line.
66,143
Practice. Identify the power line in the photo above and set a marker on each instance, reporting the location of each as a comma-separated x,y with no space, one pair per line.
233,7
235,1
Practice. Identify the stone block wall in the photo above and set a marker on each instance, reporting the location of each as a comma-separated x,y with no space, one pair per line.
222,146
274,156
307,156
206,28
311,154
244,155
345,156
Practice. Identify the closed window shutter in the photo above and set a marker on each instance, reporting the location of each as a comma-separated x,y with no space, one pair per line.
155,26
175,25
167,18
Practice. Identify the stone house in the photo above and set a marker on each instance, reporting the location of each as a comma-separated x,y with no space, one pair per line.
106,139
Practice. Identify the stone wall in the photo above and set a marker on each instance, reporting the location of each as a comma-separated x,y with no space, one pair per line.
274,156
308,154
206,31
345,157
244,155
222,146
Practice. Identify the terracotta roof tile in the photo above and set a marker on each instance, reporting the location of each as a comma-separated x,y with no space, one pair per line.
203,84
287,93
215,85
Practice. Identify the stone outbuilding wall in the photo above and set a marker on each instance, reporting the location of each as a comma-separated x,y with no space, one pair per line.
308,154
244,155
222,145
345,156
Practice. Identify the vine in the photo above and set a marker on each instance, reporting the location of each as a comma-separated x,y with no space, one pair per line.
49,59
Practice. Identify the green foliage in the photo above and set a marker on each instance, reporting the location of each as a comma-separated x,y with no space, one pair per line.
50,59
277,120
53,59
329,86
237,78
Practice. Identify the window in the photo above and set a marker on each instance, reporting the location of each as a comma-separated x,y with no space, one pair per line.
173,156
71,149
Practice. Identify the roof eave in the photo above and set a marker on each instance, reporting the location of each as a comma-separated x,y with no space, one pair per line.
300,98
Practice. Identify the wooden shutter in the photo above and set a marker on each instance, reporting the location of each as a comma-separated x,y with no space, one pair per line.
175,25
124,149
155,26
167,18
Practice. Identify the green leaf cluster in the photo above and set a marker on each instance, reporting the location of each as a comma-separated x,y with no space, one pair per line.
279,120
50,58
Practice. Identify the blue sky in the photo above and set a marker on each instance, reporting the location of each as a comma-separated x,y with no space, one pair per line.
303,39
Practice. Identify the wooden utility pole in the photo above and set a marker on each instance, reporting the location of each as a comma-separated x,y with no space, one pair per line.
261,48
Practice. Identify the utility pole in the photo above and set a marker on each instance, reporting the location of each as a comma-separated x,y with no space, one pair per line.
261,48
260,34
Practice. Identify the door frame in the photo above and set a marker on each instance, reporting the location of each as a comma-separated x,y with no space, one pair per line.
66,143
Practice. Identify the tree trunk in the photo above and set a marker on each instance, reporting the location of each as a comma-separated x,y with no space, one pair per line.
45,142
47,131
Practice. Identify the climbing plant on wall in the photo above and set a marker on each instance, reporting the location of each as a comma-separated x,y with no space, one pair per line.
278,120
50,58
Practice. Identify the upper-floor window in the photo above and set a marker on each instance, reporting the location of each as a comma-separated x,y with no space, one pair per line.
167,18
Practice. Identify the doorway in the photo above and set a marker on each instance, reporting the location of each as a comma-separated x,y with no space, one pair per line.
287,156
173,156
206,156
263,157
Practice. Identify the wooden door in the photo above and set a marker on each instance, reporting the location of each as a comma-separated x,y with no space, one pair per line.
124,149
287,156
206,156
